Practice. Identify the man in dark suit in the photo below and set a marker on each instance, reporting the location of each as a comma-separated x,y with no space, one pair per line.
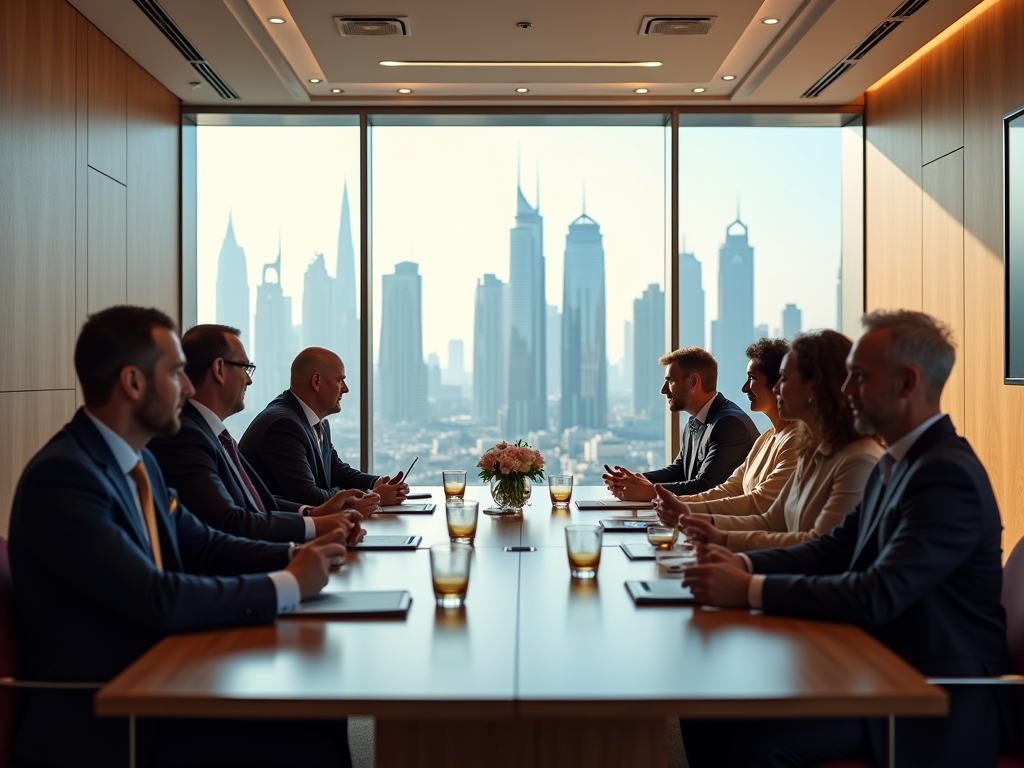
715,440
203,464
104,561
917,564
289,442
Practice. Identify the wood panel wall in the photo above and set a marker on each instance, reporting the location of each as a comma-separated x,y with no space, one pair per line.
934,241
89,211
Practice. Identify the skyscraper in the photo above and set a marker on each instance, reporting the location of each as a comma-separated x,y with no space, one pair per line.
402,373
275,343
233,286
554,350
792,322
317,305
584,365
734,330
691,301
456,372
648,347
526,368
345,324
490,381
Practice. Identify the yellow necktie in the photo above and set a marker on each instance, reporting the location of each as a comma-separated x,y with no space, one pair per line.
141,478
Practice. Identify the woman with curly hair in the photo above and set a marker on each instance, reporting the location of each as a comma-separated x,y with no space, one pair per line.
834,461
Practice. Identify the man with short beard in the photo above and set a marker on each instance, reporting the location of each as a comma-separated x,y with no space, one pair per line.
106,562
918,564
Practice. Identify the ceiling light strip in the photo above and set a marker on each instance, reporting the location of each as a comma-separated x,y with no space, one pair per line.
520,63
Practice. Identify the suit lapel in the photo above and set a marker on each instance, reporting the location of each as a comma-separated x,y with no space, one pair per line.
325,454
221,454
314,444
165,522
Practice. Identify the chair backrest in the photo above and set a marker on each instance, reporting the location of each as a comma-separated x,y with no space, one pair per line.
1013,602
8,657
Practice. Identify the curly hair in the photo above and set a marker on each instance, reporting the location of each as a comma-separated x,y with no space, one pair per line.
766,355
820,356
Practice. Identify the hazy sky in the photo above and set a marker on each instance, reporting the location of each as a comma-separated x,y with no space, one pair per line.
445,198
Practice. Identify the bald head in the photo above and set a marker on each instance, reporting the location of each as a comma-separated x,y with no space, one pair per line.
318,379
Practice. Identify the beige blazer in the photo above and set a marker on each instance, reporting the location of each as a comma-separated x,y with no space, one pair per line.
755,483
821,491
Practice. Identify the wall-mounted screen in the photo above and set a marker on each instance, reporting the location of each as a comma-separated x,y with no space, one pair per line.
1013,233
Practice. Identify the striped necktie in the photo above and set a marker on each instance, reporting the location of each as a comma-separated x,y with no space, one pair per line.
141,478
232,452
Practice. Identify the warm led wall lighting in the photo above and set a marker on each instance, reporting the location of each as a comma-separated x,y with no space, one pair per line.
276,20
314,80
699,90
405,90
336,90
769,21
728,77
520,63
640,90
522,90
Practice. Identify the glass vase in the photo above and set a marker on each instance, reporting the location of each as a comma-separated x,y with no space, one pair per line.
510,493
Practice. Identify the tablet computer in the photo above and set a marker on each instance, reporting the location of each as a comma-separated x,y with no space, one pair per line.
388,542
606,505
354,605
408,509
611,525
660,592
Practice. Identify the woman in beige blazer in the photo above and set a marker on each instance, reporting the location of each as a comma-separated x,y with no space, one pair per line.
833,465
755,483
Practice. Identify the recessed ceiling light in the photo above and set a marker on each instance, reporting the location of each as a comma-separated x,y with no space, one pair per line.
336,90
699,90
522,90
276,20
640,90
728,77
520,63
405,90
770,20
314,80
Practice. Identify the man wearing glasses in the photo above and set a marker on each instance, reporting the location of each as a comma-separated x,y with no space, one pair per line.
203,463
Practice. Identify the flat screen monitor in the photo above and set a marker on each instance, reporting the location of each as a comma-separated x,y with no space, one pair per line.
1013,246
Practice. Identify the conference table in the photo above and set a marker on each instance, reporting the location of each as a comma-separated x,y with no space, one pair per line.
537,668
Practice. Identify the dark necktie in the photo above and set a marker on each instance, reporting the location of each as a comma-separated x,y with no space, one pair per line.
319,429
885,465
229,446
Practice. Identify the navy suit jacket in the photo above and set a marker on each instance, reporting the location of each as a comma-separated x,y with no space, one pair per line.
709,455
195,465
283,448
917,564
88,598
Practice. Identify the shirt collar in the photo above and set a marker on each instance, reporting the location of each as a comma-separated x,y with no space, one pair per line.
211,418
902,447
124,454
310,416
702,414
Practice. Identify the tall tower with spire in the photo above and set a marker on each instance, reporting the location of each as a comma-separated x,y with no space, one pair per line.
233,285
276,342
345,341
526,308
584,365
734,330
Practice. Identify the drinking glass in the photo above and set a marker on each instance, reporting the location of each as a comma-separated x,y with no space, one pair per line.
461,520
560,488
454,483
449,570
662,536
583,543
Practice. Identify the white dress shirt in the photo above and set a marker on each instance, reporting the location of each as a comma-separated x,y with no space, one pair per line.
286,586
213,420
702,414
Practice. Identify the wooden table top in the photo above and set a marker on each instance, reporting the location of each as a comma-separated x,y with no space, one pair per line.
530,642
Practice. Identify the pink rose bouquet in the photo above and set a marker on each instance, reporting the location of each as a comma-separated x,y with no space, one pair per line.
507,467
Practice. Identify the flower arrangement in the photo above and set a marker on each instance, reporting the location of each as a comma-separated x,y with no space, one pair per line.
508,467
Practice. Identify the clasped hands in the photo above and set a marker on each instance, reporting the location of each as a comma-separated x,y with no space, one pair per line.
345,510
719,577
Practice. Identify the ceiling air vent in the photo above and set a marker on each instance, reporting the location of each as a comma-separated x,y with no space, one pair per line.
874,37
365,26
173,33
676,25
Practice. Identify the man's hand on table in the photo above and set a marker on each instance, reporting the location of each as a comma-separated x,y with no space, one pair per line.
719,578
391,490
311,563
363,503
627,486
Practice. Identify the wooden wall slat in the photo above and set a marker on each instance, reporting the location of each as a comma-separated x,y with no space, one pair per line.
108,106
893,180
154,238
27,421
108,244
37,194
942,99
943,263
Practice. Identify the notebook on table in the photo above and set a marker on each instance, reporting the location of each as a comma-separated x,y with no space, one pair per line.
637,525
353,605
407,509
606,505
395,541
660,592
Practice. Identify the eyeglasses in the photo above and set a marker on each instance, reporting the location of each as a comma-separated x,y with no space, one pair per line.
250,368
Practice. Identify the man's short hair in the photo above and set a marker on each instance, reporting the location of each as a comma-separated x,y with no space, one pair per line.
695,360
766,355
202,344
919,340
112,339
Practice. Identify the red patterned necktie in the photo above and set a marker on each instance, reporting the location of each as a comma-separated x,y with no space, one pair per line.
229,446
